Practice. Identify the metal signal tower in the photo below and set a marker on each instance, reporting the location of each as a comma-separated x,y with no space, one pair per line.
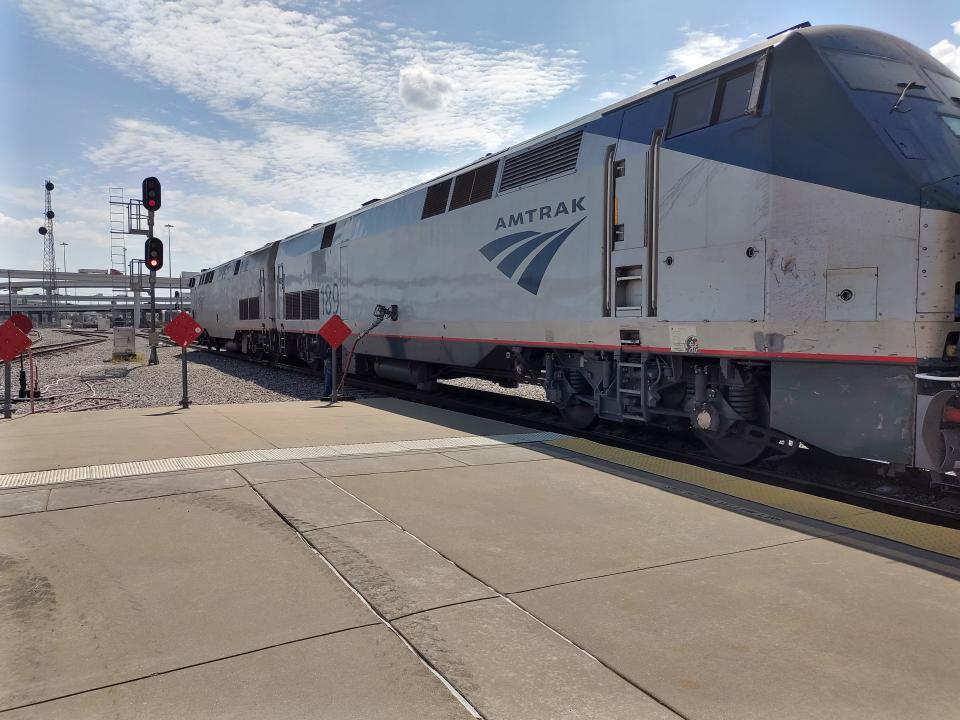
49,252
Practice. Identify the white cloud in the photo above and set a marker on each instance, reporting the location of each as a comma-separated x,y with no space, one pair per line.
232,54
607,96
700,48
422,89
947,52
260,62
284,166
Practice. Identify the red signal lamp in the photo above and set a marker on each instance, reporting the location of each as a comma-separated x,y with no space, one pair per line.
151,193
153,253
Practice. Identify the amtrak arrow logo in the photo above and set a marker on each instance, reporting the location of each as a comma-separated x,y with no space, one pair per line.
527,243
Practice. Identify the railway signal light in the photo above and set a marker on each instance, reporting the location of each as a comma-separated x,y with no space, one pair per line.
153,254
151,194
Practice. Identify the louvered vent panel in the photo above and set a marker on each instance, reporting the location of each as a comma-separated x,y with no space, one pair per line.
461,190
253,311
243,309
543,161
436,200
486,176
328,232
291,306
310,304
474,186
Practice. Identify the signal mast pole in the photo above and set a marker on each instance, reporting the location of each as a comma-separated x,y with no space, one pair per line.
153,360
153,257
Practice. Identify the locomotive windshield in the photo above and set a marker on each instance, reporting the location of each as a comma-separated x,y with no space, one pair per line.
878,74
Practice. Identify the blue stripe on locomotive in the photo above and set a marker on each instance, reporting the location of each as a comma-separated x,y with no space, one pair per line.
814,128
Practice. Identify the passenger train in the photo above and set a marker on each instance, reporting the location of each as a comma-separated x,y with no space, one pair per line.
764,250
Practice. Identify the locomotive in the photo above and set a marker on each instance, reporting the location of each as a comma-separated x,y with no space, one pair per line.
765,250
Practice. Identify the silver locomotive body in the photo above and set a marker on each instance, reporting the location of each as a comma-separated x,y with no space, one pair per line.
767,249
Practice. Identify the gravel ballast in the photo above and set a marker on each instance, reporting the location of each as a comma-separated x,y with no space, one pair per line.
86,378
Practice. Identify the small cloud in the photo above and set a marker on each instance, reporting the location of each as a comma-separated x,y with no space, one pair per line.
947,52
607,96
423,89
700,48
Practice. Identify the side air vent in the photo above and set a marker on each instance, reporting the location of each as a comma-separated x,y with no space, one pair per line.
474,186
253,305
244,309
310,304
328,232
552,158
291,306
436,200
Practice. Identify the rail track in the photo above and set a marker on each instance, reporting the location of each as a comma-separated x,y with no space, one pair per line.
860,482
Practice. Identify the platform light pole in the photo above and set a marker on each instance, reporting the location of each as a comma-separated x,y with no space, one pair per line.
64,246
169,227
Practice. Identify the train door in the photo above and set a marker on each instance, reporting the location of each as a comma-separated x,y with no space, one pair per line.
711,217
261,292
630,271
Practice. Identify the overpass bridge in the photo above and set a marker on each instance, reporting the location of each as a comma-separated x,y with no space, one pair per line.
84,296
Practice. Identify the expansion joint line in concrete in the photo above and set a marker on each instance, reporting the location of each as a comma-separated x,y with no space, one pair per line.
380,617
678,562
185,667
497,594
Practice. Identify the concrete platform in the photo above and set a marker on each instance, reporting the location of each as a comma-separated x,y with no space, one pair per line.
381,559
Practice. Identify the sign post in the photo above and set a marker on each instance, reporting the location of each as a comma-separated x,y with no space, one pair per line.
13,341
335,331
183,330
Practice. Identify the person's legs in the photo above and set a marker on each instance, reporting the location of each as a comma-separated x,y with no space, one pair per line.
328,377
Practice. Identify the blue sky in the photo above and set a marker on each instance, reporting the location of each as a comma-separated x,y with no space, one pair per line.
262,118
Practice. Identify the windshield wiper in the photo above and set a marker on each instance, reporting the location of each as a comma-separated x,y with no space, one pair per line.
906,87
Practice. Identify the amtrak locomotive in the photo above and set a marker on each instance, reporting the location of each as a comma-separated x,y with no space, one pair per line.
765,250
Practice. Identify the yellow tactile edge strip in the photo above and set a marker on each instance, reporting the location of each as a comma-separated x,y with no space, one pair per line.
934,538
243,457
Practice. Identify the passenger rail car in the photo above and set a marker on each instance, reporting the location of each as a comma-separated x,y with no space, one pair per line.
766,249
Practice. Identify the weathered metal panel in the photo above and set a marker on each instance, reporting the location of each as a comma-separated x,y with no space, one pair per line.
724,282
850,409
939,269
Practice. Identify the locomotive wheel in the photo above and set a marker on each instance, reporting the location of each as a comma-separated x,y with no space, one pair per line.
579,415
738,450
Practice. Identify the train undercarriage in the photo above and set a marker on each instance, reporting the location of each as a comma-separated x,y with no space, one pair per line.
724,401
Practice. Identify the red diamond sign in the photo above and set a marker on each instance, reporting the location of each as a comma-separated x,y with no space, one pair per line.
183,329
13,341
22,321
335,331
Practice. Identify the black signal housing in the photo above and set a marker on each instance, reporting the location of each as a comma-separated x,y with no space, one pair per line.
151,194
153,254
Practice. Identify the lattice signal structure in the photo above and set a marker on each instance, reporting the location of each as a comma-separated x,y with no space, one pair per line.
118,247
49,252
